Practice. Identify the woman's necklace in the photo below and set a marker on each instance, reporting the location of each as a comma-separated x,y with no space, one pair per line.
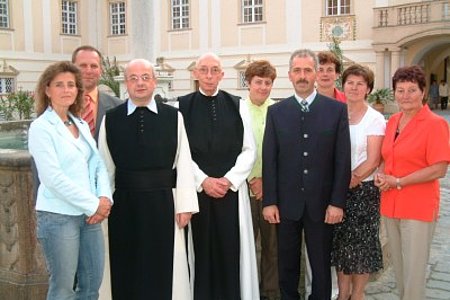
68,122
356,115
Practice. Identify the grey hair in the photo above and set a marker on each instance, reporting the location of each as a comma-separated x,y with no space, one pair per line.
304,53
206,55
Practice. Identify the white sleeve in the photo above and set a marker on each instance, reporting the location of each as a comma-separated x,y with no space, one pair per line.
185,192
106,155
245,160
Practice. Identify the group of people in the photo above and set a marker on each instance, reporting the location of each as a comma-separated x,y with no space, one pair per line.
438,94
187,192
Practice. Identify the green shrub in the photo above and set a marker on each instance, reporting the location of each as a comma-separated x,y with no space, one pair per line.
18,105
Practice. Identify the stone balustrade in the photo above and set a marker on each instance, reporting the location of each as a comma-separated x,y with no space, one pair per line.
414,13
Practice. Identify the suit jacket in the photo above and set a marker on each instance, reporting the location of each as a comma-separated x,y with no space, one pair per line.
306,157
70,184
105,103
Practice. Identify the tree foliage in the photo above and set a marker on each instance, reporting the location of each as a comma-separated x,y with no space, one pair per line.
18,105
110,70
335,47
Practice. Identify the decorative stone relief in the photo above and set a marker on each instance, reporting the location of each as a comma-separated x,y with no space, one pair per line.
343,28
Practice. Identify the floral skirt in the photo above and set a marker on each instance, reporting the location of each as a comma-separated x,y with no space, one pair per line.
356,244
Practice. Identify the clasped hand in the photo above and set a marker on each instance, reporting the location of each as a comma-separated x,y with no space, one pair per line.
384,182
103,210
216,187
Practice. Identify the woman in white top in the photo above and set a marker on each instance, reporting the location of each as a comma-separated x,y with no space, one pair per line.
74,194
356,247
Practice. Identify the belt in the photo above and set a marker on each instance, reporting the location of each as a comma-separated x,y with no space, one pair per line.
149,180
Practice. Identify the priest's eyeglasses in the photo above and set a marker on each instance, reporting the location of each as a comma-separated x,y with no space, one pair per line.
213,70
143,77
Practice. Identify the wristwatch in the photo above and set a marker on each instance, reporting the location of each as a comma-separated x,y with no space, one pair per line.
397,183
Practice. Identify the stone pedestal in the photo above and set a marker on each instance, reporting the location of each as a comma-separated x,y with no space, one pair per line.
23,274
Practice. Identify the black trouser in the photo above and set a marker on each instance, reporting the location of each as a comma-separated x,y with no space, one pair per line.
444,101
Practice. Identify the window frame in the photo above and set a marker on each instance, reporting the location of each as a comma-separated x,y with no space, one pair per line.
5,17
70,25
181,21
4,87
119,25
338,7
252,12
242,83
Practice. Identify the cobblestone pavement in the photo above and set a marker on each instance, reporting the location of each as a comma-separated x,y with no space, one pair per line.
438,277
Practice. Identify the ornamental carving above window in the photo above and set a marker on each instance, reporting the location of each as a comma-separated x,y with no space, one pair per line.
343,28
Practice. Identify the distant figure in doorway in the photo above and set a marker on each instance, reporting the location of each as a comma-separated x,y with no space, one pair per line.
443,94
433,95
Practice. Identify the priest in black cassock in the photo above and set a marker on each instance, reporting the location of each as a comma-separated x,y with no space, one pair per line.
223,149
146,151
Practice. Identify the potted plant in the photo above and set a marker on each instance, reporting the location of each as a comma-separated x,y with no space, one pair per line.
380,97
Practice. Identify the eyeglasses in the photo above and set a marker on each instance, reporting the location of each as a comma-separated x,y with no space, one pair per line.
213,70
143,77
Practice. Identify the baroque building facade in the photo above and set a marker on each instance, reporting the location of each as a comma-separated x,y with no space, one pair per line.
382,34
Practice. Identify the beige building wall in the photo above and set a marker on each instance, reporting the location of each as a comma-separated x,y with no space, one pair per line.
35,40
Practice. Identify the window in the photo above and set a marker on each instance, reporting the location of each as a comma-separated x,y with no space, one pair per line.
338,7
180,14
252,11
4,14
242,84
6,85
69,17
117,18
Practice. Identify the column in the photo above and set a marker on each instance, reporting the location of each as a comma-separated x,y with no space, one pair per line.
142,43
379,74
28,28
395,61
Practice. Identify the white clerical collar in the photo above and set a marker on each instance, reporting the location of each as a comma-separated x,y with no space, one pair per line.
131,107
204,94
308,99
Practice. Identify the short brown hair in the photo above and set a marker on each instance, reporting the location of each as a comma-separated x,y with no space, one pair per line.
86,48
412,73
261,68
328,57
42,101
359,70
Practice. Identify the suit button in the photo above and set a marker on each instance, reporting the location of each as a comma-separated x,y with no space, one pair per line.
303,119
305,171
302,189
305,153
305,136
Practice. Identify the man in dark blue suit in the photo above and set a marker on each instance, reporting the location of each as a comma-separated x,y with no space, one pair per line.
306,174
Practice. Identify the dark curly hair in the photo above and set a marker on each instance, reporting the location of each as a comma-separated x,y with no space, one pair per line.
412,73
329,57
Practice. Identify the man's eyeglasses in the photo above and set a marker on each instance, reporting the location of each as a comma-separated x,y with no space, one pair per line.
213,70
143,77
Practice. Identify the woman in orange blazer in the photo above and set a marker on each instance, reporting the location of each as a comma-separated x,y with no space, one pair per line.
416,154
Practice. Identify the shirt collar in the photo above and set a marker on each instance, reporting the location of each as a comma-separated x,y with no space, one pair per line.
204,94
94,95
131,107
308,99
264,105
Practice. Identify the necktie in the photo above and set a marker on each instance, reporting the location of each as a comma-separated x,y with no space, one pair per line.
88,113
304,106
